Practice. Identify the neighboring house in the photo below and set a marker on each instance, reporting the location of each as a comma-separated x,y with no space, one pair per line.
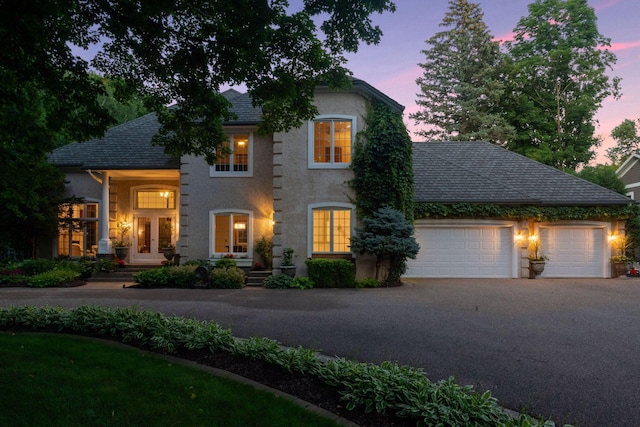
629,173
479,173
291,186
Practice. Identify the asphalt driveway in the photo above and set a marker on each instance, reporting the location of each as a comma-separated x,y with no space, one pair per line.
559,348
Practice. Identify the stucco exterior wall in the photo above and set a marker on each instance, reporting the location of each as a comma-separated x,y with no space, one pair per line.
200,194
81,184
296,186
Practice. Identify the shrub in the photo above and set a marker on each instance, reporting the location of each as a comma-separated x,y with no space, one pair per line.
226,263
301,283
13,279
53,278
182,276
277,281
31,267
331,273
156,277
368,282
227,278
105,265
83,267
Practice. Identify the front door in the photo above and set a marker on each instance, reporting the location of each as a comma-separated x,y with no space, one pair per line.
152,231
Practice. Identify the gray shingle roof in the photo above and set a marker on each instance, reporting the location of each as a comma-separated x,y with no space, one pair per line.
480,172
128,146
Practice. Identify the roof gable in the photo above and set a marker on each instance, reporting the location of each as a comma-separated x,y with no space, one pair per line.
481,172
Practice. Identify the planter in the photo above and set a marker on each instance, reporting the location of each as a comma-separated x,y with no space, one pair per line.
289,270
536,267
619,268
169,253
122,252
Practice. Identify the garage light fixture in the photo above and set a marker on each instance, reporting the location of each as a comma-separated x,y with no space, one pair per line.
518,237
612,237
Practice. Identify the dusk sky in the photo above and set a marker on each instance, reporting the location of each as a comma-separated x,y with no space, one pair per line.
392,66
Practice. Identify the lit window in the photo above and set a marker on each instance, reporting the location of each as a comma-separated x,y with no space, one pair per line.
156,199
331,230
231,233
330,141
78,229
236,158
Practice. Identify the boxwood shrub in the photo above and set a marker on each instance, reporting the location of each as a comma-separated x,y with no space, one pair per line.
56,277
331,273
227,278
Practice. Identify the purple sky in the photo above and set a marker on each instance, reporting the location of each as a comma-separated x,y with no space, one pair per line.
392,66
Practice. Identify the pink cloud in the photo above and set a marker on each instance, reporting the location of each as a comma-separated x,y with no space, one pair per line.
605,5
624,45
506,37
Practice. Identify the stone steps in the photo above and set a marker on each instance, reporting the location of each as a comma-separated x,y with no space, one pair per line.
256,278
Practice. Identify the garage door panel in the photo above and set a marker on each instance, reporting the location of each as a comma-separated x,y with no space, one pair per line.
462,252
573,252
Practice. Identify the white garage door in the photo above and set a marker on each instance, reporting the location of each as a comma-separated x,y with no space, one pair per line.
462,252
573,252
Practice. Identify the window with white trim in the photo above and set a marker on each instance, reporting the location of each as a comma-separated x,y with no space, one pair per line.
331,141
236,160
331,229
231,232
78,229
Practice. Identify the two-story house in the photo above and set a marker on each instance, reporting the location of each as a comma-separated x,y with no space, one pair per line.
292,187
289,186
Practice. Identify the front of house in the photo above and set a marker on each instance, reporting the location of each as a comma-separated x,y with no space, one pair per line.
292,187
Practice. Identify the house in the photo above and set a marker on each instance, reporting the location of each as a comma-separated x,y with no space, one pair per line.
292,186
490,244
629,173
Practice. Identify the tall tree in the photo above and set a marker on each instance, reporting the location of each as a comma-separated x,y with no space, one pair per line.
603,175
627,138
179,51
461,88
558,81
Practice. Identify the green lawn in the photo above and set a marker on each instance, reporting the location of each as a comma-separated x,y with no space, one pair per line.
57,380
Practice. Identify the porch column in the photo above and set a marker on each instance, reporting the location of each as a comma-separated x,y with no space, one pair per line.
104,244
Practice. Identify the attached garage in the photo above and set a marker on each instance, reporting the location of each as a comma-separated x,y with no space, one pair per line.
575,251
463,250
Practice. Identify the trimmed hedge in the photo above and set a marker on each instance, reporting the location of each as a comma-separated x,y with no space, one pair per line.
331,273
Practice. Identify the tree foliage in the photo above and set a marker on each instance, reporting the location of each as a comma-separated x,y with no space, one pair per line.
603,175
387,234
461,88
627,141
382,163
558,80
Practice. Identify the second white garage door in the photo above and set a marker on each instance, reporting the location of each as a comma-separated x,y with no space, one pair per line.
573,251
456,252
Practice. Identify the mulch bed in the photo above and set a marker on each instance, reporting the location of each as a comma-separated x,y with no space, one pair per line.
307,388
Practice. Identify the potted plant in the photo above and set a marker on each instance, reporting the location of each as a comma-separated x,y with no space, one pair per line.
620,260
168,250
264,248
121,248
288,267
537,260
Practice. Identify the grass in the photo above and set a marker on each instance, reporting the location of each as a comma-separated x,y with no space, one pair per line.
58,380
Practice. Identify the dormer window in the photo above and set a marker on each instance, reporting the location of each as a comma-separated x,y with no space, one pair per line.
330,141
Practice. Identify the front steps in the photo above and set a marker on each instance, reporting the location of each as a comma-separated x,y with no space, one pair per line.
256,278
123,274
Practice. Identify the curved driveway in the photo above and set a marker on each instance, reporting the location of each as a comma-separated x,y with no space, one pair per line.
568,349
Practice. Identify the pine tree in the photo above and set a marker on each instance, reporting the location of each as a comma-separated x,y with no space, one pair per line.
461,88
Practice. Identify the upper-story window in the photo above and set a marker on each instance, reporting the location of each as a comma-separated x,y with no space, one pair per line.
331,141
237,158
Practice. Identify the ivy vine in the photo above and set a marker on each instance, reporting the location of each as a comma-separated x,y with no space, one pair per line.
538,213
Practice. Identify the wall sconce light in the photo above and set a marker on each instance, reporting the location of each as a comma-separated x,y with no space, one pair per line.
612,237
518,237
533,238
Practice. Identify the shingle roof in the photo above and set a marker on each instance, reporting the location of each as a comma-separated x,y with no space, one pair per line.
128,146
480,172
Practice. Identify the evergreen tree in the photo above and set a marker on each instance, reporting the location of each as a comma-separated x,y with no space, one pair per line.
461,88
557,82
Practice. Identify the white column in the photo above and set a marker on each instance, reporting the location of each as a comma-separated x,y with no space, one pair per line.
104,244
